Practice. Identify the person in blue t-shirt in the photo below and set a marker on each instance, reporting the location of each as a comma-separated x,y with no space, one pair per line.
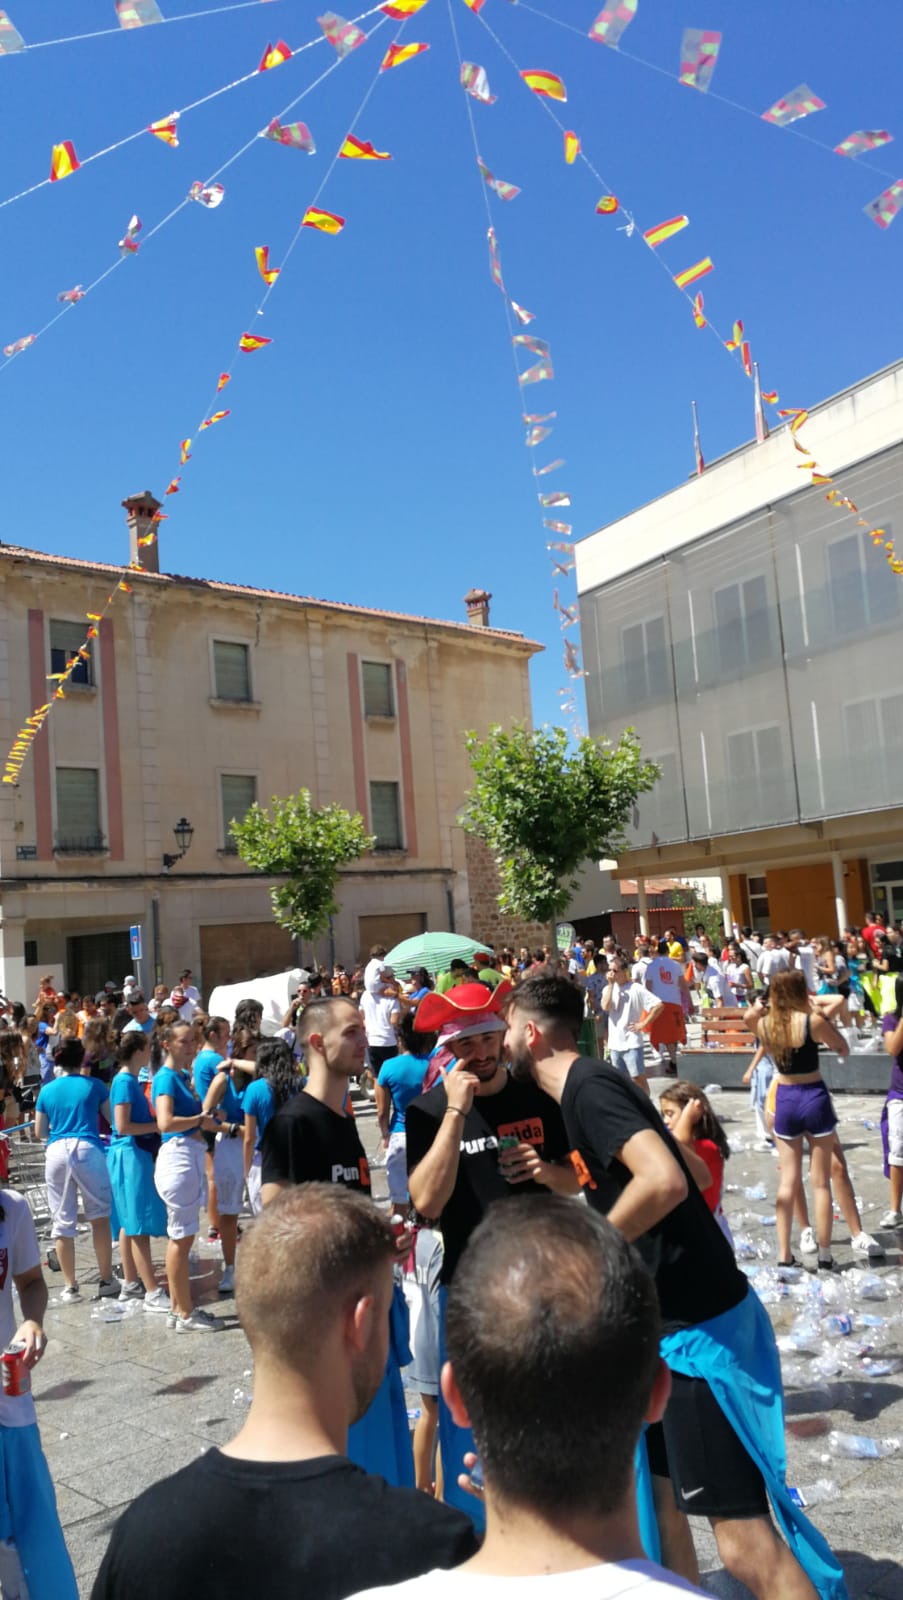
399,1082
130,1163
217,1087
277,1080
179,1172
206,1064
66,1116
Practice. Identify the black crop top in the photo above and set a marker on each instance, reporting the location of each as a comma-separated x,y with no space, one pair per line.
803,1060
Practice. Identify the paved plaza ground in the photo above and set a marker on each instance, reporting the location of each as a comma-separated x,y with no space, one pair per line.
123,1403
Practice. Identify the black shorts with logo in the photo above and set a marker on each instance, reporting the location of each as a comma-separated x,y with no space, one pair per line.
711,1471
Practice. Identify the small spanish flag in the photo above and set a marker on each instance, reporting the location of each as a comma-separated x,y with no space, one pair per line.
274,55
475,5
735,342
173,486
571,148
363,150
63,161
208,423
398,53
690,274
166,130
545,83
325,221
269,274
608,205
222,380
698,313
402,8
665,230
185,451
252,341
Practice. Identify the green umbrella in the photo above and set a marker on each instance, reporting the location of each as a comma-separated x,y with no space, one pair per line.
435,951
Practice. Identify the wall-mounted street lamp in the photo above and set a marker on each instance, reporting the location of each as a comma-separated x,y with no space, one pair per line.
184,833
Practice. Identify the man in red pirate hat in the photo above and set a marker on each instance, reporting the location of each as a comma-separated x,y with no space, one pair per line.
476,1136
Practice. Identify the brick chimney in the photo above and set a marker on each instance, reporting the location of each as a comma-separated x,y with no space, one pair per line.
477,603
139,512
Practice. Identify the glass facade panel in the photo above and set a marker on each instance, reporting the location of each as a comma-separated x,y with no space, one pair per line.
750,658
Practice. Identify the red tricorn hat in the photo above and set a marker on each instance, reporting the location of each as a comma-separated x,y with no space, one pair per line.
463,1009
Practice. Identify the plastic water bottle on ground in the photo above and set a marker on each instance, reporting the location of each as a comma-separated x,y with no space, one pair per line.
814,1494
859,1447
838,1325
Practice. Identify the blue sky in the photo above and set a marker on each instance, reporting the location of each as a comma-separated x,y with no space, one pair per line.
375,451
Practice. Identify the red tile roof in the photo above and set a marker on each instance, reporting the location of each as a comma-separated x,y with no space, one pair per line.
72,564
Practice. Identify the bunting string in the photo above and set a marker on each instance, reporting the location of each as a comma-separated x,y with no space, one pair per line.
172,119
127,27
722,99
737,345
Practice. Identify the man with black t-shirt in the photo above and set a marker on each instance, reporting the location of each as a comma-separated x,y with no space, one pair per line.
280,1510
477,1136
721,1441
314,1139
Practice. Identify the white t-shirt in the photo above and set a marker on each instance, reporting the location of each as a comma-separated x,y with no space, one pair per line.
378,1012
713,979
611,1581
772,961
662,977
640,968
372,979
18,1253
628,1002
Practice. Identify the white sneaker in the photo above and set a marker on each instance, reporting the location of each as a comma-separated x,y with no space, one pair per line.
199,1322
865,1245
70,1295
227,1281
808,1242
891,1219
157,1300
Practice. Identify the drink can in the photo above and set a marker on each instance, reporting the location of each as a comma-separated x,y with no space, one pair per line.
16,1376
397,1224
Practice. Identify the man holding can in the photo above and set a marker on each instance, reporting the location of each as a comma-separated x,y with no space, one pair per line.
474,1137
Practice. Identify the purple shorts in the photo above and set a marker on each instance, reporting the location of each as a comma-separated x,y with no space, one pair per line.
803,1108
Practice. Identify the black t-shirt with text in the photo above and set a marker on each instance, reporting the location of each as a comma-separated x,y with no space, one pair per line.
520,1111
306,1142
688,1255
230,1529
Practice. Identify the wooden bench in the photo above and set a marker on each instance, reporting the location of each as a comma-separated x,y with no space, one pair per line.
724,1028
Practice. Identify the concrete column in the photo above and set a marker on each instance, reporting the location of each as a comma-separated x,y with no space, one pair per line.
642,905
12,959
840,894
727,912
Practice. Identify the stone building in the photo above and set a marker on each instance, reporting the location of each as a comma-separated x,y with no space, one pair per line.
199,698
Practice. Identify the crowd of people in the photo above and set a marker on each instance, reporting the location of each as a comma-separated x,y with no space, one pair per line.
589,1375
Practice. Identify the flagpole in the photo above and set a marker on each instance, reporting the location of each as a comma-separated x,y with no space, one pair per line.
700,463
761,422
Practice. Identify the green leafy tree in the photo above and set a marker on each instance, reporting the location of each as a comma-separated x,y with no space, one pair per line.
304,845
544,807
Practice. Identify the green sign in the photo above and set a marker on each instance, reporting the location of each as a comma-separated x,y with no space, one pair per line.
565,934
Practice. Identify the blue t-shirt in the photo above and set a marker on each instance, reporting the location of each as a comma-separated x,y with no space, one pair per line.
206,1066
185,1102
403,1077
125,1090
71,1104
259,1102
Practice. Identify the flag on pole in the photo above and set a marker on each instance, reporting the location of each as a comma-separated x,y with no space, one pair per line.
700,463
761,421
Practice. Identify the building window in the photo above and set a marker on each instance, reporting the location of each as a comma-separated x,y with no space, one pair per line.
231,670
758,789
385,815
378,699
860,593
873,726
742,624
646,669
31,952
66,639
757,894
78,829
239,793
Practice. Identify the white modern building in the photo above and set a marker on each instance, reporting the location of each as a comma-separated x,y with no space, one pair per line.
749,631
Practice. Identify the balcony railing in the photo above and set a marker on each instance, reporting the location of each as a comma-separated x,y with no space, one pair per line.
81,844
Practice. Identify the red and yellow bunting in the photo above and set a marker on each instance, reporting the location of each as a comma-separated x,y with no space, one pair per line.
63,161
323,221
665,230
571,148
397,54
274,56
545,83
249,342
262,256
362,150
691,274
